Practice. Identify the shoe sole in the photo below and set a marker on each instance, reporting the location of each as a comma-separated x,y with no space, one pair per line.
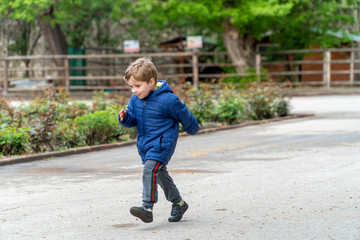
175,220
140,214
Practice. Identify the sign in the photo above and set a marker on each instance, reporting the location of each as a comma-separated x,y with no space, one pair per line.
194,42
131,46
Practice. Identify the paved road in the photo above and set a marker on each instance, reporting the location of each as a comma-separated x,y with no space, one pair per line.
296,179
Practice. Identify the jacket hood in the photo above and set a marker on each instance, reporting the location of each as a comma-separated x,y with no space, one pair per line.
163,87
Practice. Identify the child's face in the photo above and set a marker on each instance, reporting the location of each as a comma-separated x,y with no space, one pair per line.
141,89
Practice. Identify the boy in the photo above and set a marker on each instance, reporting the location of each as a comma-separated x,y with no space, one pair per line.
156,111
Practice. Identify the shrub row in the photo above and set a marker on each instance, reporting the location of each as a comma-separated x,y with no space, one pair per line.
55,122
231,105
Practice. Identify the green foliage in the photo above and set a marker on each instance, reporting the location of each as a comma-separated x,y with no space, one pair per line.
13,140
26,10
54,122
265,101
310,23
42,128
242,81
100,100
230,109
280,107
67,135
10,115
202,105
290,23
98,127
77,18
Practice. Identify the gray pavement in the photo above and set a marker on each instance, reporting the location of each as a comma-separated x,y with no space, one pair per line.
295,179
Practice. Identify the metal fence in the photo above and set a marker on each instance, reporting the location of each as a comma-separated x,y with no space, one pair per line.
322,67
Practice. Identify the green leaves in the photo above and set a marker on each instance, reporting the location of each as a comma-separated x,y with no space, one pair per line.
13,140
290,23
98,127
26,10
231,106
51,123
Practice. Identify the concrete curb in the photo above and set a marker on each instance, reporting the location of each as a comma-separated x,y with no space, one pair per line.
80,150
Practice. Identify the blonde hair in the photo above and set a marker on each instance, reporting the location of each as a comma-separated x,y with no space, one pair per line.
142,69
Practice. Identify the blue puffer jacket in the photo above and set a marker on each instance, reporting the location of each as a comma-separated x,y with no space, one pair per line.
157,120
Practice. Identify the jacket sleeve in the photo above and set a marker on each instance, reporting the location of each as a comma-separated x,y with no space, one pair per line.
181,113
129,118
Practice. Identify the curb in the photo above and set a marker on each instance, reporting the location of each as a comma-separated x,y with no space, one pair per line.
80,150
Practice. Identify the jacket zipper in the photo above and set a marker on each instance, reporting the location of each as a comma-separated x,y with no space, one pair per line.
143,117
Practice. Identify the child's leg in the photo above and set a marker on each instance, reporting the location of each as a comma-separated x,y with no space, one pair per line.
172,194
150,178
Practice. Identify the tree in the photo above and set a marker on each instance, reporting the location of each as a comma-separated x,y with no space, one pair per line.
24,43
238,24
29,11
292,23
64,22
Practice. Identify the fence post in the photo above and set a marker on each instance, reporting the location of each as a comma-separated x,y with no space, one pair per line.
327,69
195,70
66,74
5,77
352,56
258,67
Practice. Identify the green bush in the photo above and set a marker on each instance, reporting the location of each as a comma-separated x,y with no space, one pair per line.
67,135
99,127
202,107
53,121
13,140
281,107
42,126
230,109
266,101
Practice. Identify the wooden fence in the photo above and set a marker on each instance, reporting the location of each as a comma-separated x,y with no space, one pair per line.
321,67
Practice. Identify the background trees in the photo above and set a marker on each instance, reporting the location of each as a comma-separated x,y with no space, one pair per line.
292,23
236,25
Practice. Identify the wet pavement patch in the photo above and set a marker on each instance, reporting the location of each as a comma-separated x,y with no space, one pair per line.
125,225
259,159
193,171
78,170
69,170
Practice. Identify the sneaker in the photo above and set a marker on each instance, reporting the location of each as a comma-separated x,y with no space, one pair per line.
177,211
141,212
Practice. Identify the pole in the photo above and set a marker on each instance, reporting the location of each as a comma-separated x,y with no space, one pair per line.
327,69
258,67
66,74
5,76
352,68
195,66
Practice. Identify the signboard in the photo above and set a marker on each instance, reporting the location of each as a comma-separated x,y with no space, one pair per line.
131,46
194,42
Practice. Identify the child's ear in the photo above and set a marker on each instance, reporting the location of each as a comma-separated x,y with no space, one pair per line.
153,81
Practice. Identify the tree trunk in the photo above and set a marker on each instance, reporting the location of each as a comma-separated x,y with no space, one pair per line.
240,48
55,40
53,35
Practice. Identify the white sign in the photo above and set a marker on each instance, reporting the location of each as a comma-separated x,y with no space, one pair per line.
131,46
194,42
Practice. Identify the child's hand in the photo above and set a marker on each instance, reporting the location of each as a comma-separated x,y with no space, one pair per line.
122,114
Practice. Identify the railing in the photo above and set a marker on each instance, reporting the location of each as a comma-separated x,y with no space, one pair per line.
322,67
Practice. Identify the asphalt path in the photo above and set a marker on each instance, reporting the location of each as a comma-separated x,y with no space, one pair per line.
294,179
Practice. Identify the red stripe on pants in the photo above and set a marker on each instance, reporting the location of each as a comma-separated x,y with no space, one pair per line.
154,182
